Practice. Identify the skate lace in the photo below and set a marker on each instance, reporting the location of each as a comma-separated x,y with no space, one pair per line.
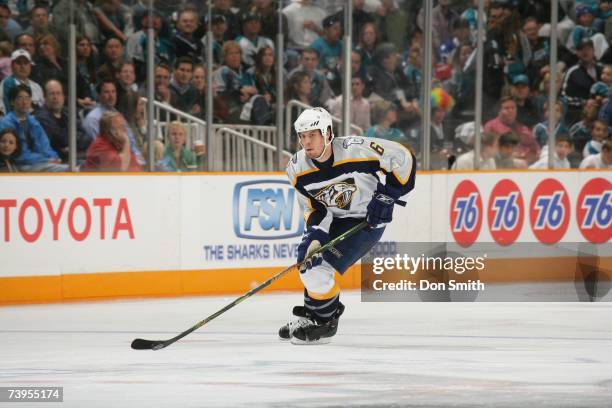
294,324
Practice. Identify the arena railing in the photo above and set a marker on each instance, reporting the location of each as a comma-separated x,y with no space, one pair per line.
242,152
241,147
196,127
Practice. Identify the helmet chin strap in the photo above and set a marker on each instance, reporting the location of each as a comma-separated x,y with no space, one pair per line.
326,145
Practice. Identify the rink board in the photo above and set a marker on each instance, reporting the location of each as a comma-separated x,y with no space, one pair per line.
72,237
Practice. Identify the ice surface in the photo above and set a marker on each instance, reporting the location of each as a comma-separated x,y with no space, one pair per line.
385,354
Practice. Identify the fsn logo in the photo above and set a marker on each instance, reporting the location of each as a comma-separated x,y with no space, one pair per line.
466,213
549,211
505,212
266,209
594,211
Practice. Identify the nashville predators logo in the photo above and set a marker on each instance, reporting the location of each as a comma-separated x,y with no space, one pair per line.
339,194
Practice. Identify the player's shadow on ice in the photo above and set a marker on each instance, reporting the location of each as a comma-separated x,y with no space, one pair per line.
592,280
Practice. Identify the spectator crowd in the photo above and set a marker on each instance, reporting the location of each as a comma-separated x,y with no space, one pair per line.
386,87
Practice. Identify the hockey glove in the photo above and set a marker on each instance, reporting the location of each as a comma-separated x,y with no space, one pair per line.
380,208
312,240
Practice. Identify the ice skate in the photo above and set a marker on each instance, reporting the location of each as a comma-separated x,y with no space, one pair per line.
303,318
315,332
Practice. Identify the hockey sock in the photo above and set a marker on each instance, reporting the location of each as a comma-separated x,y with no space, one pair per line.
322,310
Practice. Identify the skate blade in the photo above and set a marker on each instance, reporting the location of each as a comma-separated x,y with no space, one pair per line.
298,342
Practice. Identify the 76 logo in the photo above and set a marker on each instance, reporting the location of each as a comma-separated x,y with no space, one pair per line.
550,211
467,213
598,210
506,211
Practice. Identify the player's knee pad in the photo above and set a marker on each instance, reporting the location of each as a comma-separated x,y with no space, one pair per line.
319,279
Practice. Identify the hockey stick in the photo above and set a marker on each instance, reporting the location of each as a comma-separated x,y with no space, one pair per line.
142,344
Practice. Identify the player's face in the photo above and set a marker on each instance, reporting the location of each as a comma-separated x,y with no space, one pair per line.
312,142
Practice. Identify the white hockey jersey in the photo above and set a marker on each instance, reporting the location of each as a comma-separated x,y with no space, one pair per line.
343,186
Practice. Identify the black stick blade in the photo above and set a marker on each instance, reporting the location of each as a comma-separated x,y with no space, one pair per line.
142,344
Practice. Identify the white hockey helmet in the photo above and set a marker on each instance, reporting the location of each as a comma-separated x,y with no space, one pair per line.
314,118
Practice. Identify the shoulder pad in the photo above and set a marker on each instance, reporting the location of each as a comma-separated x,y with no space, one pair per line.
355,147
295,164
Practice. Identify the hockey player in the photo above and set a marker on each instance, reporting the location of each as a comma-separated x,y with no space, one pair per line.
339,185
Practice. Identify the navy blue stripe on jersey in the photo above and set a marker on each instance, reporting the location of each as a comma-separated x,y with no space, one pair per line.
319,211
397,185
364,166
